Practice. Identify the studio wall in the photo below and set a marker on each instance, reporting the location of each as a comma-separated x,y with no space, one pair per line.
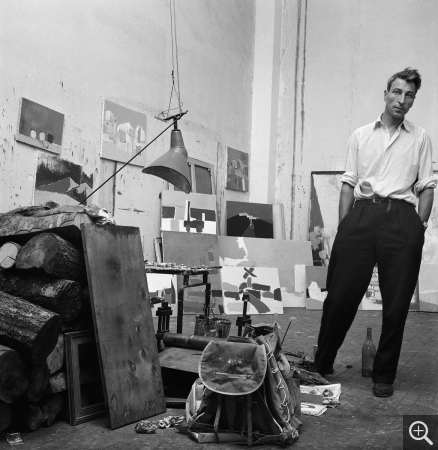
70,56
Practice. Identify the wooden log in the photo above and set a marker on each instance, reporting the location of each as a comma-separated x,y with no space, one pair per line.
5,416
51,406
84,321
55,360
39,379
57,383
26,415
20,229
63,297
8,254
31,330
55,256
14,375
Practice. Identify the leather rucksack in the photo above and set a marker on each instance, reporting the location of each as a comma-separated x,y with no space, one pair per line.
241,394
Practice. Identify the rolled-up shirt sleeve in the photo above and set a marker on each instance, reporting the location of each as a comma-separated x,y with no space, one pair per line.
426,178
350,174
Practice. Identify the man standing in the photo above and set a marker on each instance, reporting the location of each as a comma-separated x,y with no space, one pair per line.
389,165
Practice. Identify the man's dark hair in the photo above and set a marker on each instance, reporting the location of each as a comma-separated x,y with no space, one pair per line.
410,75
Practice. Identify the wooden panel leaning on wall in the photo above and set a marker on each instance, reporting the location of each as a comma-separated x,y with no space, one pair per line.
123,323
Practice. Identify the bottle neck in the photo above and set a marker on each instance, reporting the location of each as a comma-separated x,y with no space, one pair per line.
369,333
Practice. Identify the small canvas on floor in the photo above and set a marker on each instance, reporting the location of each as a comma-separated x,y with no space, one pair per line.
261,283
282,254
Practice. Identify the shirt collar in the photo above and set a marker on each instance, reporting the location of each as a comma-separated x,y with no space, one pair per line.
405,124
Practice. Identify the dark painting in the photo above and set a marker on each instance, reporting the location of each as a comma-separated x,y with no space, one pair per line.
60,181
39,122
250,220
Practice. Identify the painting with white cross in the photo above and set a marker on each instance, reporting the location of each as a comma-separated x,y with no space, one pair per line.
261,283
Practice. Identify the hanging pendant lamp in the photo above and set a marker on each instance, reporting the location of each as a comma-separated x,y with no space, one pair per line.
172,166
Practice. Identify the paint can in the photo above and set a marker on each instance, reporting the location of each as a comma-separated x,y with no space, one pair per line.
223,327
211,326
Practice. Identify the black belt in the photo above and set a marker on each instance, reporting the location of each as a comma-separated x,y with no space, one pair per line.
380,200
377,200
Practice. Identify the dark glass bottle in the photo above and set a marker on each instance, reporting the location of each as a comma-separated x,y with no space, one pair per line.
368,354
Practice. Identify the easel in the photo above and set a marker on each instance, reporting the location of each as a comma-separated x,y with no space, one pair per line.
241,321
164,312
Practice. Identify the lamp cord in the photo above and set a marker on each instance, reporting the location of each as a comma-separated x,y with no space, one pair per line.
124,165
176,88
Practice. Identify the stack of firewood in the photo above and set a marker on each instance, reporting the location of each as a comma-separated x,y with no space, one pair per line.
43,294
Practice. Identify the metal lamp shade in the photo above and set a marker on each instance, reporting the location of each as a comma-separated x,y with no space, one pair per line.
172,166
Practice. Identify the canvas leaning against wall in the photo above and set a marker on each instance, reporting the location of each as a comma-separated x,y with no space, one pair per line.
250,220
323,214
188,213
237,170
123,133
428,281
260,283
60,181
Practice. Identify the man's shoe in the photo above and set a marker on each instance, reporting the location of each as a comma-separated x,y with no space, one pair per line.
383,389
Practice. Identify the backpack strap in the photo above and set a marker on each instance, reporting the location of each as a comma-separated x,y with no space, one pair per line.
231,410
218,415
249,415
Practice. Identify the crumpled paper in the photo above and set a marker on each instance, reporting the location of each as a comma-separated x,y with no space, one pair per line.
99,215
149,427
145,427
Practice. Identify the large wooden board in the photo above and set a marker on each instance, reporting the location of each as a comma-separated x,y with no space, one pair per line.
123,323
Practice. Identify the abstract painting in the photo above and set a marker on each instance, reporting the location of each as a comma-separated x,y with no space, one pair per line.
323,214
162,286
60,181
253,220
188,213
40,126
237,170
281,254
123,133
195,250
261,283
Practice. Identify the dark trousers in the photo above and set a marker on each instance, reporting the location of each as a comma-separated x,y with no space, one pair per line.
391,235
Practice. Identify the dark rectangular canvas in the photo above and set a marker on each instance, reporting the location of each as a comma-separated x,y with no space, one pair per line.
250,220
39,122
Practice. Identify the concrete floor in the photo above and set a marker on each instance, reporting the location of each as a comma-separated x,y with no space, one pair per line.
361,421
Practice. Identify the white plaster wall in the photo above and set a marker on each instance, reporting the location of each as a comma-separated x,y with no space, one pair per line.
265,101
70,55
340,58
